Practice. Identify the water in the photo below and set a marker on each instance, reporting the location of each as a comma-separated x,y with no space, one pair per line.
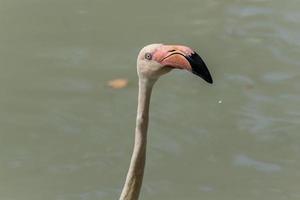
65,135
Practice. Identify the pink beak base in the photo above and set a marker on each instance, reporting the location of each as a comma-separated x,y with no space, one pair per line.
173,56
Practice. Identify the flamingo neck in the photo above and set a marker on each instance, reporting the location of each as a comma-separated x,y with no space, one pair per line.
135,173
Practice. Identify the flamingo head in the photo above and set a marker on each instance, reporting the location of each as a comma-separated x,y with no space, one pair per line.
155,60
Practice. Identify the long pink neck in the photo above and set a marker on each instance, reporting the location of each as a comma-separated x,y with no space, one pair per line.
135,173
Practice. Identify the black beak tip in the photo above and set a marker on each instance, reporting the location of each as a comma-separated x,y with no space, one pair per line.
205,76
209,80
199,67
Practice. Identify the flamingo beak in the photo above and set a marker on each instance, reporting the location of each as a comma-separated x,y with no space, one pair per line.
182,57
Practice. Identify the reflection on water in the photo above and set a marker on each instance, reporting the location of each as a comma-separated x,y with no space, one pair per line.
243,160
64,134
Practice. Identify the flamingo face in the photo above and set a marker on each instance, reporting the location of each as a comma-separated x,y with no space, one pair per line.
155,60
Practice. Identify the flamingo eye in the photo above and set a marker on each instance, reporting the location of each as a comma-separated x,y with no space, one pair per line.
148,56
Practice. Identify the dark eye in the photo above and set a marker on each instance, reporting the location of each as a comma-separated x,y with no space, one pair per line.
148,56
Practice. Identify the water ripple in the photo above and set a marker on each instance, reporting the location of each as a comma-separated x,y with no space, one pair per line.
245,161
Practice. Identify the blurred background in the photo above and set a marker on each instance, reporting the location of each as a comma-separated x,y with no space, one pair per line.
66,135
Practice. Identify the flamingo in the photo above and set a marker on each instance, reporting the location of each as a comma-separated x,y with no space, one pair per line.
153,61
